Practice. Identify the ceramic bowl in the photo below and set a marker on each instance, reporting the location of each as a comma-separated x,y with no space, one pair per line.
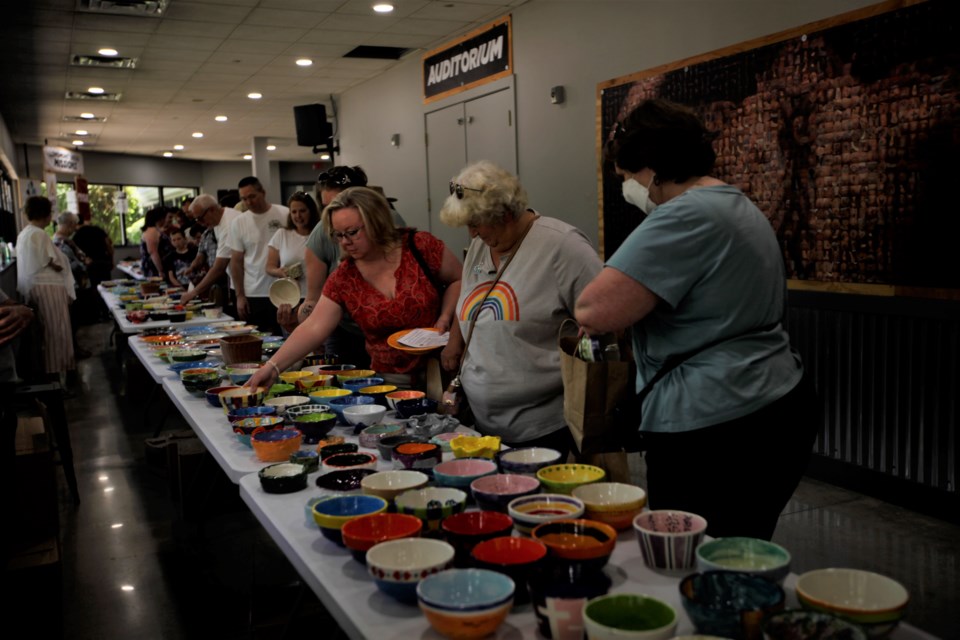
417,456
389,484
284,477
250,424
403,394
372,435
529,512
275,445
362,416
317,364
188,355
810,625
517,558
443,439
345,481
291,377
460,472
242,397
212,395
406,409
309,459
182,366
314,382
468,529
360,534
527,460
239,375
728,603
567,588
337,405
379,393
355,384
584,542
564,478
282,403
431,504
197,381
746,555
340,461
335,448
388,443
314,426
628,616
281,389
350,374
326,394
334,512
496,492
329,440
302,409
249,412
466,603
475,446
669,539
871,600
614,503
398,566
213,312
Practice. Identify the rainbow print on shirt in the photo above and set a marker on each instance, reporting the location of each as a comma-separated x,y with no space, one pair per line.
502,302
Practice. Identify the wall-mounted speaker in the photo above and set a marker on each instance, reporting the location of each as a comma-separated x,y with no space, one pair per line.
312,127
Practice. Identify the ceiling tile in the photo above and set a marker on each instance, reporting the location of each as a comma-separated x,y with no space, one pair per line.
106,22
328,6
375,24
252,33
261,46
365,7
181,28
413,26
195,12
282,18
458,11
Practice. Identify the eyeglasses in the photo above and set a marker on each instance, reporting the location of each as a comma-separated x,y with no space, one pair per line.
334,179
349,234
457,188
203,214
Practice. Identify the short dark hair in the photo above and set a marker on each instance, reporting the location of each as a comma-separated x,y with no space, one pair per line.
175,230
668,138
153,216
250,181
311,205
195,230
342,177
37,208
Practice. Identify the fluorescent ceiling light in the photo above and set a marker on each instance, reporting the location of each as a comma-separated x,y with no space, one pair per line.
271,147
95,90
324,156
221,118
87,116
178,147
168,154
247,156
197,134
82,132
254,95
383,7
107,51
77,143
304,62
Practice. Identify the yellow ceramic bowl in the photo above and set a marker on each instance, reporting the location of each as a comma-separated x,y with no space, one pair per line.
355,373
321,395
314,381
612,503
291,377
475,446
564,478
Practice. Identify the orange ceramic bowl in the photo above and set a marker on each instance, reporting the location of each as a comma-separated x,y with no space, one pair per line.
584,542
403,394
276,445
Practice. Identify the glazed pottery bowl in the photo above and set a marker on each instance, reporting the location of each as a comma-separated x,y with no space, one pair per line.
275,445
628,616
212,394
475,446
584,542
314,426
810,625
329,440
388,443
669,539
871,600
417,456
398,566
250,424
333,448
291,377
364,415
403,394
341,461
188,355
459,473
281,389
355,384
282,403
517,558
746,555
372,435
468,529
350,374
334,512
284,477
249,412
183,366
326,394
314,382
239,375
614,503
728,603
302,409
527,460
337,405
345,481
389,484
360,534
379,393
466,603
414,407
317,365
443,439
564,478
431,504
309,459
496,492
529,512
242,397
199,381
567,588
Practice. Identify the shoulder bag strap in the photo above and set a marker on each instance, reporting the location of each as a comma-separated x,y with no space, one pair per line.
411,233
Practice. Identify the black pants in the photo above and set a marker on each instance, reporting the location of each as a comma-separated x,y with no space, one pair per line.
264,315
738,474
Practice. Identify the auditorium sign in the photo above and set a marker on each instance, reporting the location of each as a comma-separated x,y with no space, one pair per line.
481,56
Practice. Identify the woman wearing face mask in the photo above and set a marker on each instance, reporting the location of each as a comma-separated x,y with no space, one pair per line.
701,282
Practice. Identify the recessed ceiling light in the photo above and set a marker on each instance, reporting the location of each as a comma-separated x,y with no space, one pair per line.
254,95
383,7
197,134
178,147
77,143
87,116
247,156
127,587
271,147
108,490
116,525
168,154
221,118
304,62
95,90
107,51
324,156
82,132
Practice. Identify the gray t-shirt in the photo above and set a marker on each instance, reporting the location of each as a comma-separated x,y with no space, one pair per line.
511,374
713,258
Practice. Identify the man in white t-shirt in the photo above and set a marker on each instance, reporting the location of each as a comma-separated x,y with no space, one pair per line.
207,211
250,235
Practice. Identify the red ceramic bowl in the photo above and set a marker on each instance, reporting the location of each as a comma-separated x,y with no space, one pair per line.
577,541
518,558
466,530
362,533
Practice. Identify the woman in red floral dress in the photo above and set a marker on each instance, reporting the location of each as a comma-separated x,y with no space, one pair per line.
380,283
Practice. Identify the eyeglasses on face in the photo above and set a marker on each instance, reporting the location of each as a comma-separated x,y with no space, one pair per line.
334,179
203,213
349,234
457,188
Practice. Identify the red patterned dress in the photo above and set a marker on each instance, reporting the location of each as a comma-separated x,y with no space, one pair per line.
416,304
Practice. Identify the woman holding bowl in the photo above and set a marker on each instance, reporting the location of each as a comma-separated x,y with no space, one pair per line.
511,371
728,431
287,245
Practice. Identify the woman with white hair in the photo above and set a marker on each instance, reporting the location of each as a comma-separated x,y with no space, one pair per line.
521,278
66,227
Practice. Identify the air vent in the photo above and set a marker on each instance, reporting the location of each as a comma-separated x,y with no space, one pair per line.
148,8
86,95
103,62
378,53
79,119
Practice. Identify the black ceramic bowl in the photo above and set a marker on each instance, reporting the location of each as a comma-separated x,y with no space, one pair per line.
416,407
385,445
343,480
334,449
177,316
314,426
284,477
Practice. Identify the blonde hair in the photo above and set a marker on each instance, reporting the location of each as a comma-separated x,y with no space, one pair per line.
489,194
374,212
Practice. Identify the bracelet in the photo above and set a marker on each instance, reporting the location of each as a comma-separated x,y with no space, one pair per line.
275,367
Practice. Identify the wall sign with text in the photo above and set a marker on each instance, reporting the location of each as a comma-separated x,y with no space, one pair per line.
60,160
481,56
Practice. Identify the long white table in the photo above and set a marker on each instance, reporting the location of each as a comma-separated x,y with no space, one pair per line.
120,315
131,268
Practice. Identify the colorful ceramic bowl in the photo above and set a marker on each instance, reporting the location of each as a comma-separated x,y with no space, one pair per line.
387,444
475,446
468,529
326,394
810,625
276,445
669,539
244,428
746,555
197,381
314,426
362,416
182,366
333,448
379,393
496,492
291,377
431,504
417,456
281,389
314,382
403,394
242,397
466,603
460,472
302,409
345,481
628,616
334,512
337,405
213,395
389,484
342,461
346,376
371,436
397,566
282,403
614,503
360,534
249,412
284,477
317,365
355,384
443,439
728,603
527,460
310,460
585,542
239,375
871,600
531,511
517,558
564,478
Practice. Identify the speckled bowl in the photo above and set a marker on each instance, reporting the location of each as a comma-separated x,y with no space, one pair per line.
564,478
746,555
371,436
349,461
728,603
284,477
345,481
495,492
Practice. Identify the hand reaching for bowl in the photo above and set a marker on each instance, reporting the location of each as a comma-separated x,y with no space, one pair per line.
264,377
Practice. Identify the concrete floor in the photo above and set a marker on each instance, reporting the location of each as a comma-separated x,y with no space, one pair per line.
224,578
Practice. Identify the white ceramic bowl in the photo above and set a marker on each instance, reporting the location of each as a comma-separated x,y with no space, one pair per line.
613,503
398,566
869,599
527,460
389,484
282,403
364,415
284,291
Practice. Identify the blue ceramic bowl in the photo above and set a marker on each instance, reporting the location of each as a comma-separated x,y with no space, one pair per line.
460,472
249,412
466,603
213,396
728,603
180,366
355,384
416,407
331,514
337,405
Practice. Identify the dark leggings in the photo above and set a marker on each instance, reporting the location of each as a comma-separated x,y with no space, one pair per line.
739,474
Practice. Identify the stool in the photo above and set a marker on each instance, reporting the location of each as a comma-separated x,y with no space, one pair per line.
51,396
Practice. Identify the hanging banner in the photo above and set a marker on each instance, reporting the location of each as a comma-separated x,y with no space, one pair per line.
60,160
51,180
481,56
83,198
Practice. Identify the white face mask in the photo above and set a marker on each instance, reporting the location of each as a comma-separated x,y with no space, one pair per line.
638,195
